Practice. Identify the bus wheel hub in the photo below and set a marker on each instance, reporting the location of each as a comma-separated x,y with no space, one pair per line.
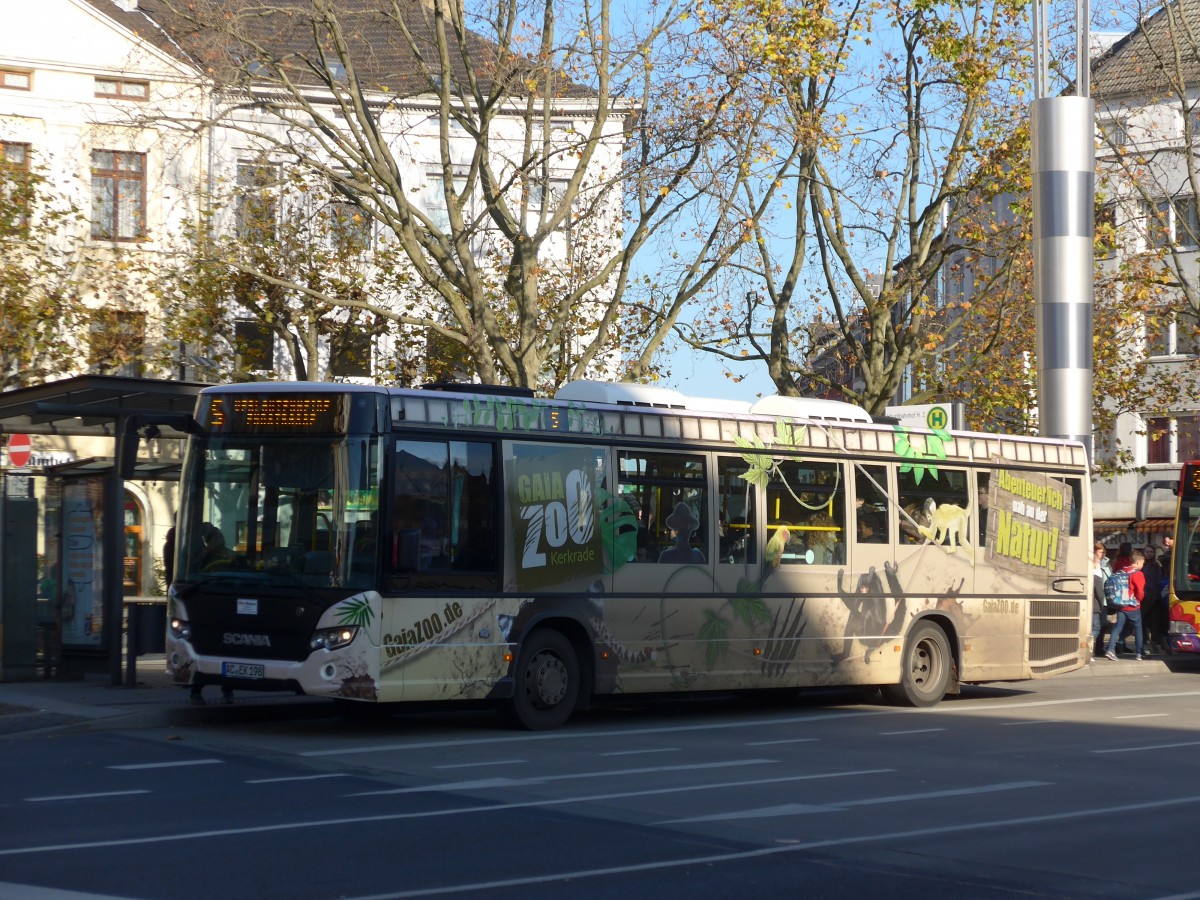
549,679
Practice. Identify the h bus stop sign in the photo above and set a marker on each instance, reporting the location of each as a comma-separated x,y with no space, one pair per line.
945,416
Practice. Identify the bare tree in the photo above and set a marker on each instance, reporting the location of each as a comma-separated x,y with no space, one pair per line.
518,156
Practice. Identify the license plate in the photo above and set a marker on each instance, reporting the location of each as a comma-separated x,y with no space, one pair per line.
243,670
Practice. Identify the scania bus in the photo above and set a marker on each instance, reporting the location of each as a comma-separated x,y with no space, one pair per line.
384,545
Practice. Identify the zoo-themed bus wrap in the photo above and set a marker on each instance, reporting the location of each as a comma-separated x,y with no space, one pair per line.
568,558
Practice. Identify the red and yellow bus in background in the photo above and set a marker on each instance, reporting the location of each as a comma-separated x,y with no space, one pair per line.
1183,634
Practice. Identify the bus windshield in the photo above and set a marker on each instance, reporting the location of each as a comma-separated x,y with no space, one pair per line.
301,507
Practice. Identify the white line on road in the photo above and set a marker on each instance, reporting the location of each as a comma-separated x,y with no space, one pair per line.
297,778
639,752
483,762
764,852
82,796
167,765
570,776
394,817
912,731
793,809
1144,716
1149,747
785,741
1035,722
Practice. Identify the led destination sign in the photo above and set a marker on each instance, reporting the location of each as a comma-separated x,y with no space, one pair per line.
276,414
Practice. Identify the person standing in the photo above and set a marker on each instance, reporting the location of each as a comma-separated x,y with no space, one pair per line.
1130,615
1100,574
1154,615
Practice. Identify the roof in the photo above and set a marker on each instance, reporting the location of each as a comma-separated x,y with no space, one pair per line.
90,404
1143,62
233,39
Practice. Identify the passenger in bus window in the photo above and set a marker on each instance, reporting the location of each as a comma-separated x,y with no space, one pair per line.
682,523
869,531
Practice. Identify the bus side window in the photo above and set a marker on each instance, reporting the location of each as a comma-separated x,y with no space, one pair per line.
738,538
983,483
668,493
872,511
806,513
932,501
443,511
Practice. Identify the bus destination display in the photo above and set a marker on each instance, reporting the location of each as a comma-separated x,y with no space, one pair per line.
1190,481
276,414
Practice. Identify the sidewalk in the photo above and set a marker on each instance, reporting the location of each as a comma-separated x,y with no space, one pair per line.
94,702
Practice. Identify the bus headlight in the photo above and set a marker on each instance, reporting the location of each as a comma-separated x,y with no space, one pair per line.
333,638
181,630
1178,627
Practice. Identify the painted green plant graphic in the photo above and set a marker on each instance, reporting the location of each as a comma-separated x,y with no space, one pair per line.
908,447
618,529
356,612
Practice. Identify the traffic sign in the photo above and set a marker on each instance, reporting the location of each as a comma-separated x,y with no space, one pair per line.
19,448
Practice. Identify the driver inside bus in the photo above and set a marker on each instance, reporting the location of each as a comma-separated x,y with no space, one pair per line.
214,554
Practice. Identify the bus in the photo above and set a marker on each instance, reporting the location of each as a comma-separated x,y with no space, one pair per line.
465,542
1184,566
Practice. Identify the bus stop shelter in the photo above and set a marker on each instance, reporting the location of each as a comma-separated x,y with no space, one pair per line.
123,410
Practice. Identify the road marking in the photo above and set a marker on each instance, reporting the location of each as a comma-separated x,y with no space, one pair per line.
82,796
167,765
33,892
763,852
297,778
1144,716
570,776
1149,747
595,735
786,741
491,762
638,752
793,809
1036,722
425,814
592,735
913,731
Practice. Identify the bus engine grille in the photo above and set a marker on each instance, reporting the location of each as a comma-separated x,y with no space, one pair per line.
1053,631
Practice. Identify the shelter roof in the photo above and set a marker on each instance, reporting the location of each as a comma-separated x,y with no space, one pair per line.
89,405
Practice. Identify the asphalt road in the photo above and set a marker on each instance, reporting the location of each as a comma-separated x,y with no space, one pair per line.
1072,787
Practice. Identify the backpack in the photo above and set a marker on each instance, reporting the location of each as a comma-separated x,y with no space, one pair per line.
1116,592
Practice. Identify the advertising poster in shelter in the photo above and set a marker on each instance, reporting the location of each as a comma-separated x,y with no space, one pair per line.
83,562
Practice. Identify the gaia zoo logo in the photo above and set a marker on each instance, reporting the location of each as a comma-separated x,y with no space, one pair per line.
559,511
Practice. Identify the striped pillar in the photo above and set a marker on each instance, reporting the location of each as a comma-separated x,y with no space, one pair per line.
1064,178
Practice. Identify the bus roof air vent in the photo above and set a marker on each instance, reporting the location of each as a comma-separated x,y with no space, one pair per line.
458,387
621,393
810,408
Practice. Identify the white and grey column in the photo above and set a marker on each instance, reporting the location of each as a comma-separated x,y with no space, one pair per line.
1064,177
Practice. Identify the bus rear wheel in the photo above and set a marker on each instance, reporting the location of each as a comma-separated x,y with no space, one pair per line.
547,682
925,673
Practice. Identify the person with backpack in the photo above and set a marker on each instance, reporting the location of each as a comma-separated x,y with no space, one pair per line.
1124,591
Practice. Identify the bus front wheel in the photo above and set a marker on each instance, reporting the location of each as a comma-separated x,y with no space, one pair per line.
925,673
547,682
